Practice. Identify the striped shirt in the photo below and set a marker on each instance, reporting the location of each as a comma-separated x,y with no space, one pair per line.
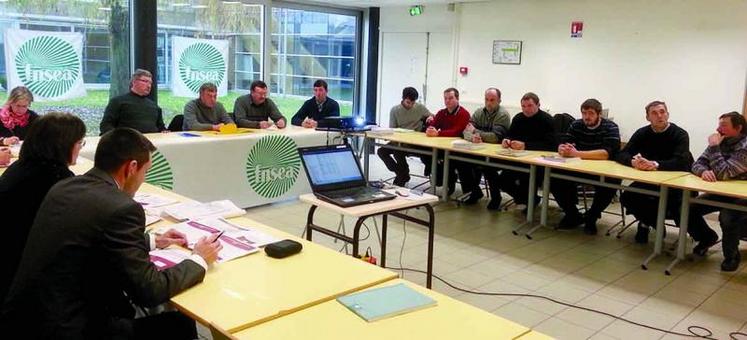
727,160
605,136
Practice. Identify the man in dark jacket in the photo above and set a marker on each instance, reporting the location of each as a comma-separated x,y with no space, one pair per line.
86,259
316,108
134,109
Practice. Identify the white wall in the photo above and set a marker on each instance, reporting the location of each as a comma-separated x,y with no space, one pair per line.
690,53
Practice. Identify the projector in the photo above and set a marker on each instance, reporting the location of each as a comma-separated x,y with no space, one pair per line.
342,124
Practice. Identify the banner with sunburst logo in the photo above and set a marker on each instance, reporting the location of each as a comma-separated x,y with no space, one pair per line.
198,61
49,64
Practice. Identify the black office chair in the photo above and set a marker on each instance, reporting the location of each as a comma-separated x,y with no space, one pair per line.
176,123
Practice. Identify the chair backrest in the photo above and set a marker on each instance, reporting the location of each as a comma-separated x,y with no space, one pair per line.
176,123
561,125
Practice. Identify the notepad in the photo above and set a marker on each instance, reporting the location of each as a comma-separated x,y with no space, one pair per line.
560,159
385,302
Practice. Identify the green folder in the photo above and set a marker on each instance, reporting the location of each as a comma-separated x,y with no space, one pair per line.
381,303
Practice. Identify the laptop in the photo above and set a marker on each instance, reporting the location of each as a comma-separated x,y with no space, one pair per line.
336,177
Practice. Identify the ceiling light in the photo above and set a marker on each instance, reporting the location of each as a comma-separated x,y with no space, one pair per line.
199,6
105,8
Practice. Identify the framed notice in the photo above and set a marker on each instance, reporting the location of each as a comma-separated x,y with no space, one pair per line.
507,52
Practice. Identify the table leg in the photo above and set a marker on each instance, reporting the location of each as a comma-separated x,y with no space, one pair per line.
661,214
445,191
681,245
366,160
310,222
383,239
434,166
431,232
532,192
545,200
356,236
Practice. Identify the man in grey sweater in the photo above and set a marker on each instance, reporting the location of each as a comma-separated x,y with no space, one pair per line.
488,124
253,110
205,113
407,115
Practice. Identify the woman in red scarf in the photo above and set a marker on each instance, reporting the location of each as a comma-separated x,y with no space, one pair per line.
15,116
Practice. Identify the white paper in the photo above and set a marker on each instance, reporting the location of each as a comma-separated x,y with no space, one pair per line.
467,145
150,219
196,210
234,241
152,200
167,258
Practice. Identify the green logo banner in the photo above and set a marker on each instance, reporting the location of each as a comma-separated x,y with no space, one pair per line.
198,61
273,165
160,173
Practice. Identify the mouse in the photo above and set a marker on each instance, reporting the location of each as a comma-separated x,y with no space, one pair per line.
403,192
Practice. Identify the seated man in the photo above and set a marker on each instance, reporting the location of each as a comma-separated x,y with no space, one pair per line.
592,137
659,146
531,129
407,115
449,122
254,109
205,113
724,159
134,109
488,124
86,259
316,108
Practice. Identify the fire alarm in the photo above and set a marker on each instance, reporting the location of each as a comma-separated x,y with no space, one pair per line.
463,70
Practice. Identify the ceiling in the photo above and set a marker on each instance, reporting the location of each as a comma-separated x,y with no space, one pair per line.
383,3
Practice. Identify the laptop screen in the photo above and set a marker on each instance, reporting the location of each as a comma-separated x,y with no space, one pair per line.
329,166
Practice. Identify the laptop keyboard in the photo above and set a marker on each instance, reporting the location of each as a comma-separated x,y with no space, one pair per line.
351,192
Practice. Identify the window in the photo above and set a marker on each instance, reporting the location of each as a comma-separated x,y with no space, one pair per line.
309,45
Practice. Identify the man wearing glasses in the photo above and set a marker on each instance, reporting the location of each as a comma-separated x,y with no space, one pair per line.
134,109
254,110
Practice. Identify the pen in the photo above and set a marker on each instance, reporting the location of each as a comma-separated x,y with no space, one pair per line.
219,235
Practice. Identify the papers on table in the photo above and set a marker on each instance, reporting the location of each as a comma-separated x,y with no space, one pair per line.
381,131
512,153
197,210
236,242
559,159
152,200
167,258
467,145
150,219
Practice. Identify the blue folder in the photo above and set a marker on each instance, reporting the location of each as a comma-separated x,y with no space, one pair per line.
384,302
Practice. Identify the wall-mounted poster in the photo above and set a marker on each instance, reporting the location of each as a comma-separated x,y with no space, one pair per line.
507,52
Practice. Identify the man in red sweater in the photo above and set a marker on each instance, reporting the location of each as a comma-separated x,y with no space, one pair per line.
449,122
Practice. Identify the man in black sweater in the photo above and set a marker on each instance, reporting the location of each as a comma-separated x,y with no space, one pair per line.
531,129
659,146
134,109
318,107
592,137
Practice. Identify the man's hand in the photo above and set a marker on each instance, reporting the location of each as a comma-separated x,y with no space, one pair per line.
10,140
567,150
216,127
171,237
715,139
208,247
280,124
709,176
429,119
506,143
264,124
4,156
641,163
476,138
469,128
431,132
309,123
517,145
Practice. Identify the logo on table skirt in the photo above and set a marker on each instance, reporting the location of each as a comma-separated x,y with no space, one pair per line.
160,173
201,63
272,166
48,66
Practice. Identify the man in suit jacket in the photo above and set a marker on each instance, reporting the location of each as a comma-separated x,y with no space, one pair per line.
86,259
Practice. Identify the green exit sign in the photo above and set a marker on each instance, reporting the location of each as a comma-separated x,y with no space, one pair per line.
416,10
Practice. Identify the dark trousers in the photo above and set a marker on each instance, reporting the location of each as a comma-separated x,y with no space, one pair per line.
645,207
566,195
395,161
516,184
167,325
733,223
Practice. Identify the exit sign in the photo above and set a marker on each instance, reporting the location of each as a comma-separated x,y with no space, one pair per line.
416,10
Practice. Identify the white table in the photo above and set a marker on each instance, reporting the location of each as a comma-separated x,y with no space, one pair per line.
251,168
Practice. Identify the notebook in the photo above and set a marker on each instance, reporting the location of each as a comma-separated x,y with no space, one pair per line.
385,302
336,177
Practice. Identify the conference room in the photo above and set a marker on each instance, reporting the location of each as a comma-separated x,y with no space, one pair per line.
500,269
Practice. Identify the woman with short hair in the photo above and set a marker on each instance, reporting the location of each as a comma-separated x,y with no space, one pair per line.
52,144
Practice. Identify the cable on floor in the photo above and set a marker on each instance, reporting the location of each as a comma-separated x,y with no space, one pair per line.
695,331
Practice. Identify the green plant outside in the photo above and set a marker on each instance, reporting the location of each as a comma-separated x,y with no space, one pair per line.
91,107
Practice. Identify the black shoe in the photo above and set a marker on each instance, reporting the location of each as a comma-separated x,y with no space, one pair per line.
701,249
590,226
474,197
401,181
495,203
641,236
570,221
730,264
